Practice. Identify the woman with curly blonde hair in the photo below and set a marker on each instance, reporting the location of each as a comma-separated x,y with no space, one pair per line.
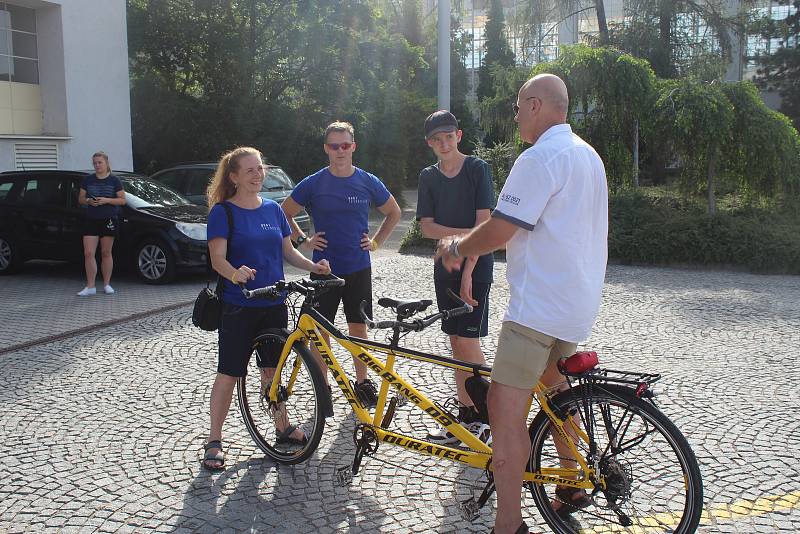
252,257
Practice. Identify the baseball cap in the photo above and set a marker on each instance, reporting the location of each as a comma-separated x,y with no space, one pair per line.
440,121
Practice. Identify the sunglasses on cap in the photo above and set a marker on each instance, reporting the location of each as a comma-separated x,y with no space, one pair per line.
337,146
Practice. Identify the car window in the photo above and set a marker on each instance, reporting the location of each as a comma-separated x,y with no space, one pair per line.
277,180
5,189
175,180
143,193
45,193
197,181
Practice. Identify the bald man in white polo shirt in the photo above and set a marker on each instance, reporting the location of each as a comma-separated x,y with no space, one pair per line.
552,215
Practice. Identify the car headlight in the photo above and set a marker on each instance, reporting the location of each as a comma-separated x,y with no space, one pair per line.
193,230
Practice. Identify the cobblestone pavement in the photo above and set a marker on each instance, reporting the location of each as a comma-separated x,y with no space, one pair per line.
102,431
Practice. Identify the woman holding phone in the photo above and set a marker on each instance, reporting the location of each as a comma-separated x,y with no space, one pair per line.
102,194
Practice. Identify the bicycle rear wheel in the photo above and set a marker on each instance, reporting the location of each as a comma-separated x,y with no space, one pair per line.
302,394
653,482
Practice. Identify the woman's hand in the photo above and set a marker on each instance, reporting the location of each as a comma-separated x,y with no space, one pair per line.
321,267
243,275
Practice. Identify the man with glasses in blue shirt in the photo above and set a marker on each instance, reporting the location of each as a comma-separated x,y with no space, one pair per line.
339,198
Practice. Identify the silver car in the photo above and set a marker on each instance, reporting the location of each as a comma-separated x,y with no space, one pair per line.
192,179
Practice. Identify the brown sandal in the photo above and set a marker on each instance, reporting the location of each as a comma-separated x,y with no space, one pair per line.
571,500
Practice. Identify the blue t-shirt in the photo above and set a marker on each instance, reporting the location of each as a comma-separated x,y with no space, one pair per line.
107,187
340,208
257,242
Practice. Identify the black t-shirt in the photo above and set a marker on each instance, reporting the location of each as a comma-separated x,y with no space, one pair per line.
453,202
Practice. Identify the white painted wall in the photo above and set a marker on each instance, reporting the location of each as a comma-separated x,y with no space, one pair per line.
85,87
96,82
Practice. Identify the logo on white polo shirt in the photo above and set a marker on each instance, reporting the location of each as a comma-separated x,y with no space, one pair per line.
511,199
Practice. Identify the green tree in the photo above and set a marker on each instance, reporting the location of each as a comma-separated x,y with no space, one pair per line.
695,120
211,74
764,153
497,52
678,37
780,70
611,94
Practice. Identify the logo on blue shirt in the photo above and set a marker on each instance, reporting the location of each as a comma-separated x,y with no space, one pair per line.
267,226
353,199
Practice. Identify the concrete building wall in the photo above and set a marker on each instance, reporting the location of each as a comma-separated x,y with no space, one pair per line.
84,88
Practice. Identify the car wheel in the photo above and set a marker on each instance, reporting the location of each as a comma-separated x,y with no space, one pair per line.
154,262
10,259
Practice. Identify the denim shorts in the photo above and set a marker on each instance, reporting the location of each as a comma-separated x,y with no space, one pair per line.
237,330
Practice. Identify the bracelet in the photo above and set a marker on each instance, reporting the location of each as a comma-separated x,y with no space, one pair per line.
232,280
373,245
453,248
300,240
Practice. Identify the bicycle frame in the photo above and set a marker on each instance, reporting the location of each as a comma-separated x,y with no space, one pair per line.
310,327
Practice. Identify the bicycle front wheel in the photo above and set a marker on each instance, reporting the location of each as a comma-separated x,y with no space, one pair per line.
653,482
288,431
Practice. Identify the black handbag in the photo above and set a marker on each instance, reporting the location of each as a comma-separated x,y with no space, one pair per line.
207,311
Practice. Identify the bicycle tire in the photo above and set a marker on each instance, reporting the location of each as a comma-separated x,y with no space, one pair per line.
654,478
303,407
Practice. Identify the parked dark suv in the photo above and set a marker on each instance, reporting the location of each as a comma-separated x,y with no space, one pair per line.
40,218
191,181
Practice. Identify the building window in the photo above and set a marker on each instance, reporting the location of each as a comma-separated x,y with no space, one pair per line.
19,56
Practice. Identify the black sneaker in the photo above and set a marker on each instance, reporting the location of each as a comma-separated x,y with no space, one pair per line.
367,393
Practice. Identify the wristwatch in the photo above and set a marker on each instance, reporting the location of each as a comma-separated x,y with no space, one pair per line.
300,240
453,248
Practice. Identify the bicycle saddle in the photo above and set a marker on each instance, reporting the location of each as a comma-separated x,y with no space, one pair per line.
578,363
405,307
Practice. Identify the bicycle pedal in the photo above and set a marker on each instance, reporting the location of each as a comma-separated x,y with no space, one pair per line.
344,476
469,509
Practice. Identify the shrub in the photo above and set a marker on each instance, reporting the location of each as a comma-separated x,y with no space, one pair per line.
666,231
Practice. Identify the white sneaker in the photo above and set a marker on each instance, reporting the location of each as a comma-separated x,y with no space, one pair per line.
109,290
480,431
86,291
441,436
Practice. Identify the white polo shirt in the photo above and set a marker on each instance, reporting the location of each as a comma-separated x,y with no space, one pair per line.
556,261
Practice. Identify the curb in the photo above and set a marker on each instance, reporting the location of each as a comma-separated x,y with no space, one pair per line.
76,331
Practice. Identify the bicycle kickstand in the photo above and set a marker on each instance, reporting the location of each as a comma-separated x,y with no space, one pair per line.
470,508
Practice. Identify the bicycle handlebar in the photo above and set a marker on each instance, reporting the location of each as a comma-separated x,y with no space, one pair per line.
303,286
417,325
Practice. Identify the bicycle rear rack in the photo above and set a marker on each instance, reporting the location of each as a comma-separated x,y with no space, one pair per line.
620,377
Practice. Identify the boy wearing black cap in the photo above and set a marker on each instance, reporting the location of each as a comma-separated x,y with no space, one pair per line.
454,196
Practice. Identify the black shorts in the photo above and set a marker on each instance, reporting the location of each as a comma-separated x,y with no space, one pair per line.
101,227
357,287
238,329
475,324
